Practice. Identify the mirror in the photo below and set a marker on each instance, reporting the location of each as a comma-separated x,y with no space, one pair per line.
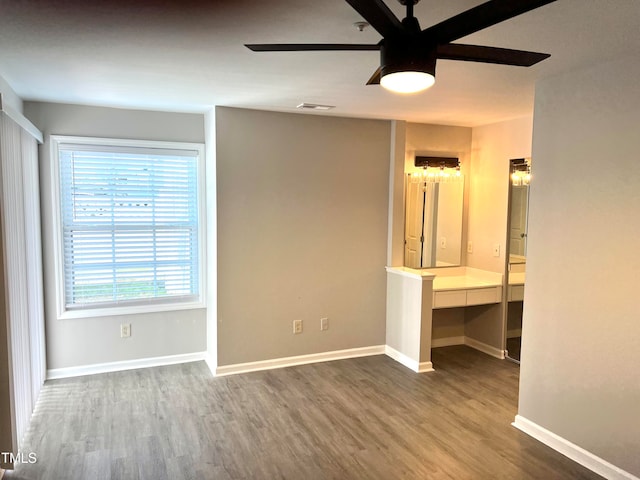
519,180
433,218
520,175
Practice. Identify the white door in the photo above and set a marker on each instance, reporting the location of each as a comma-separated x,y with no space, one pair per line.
413,223
430,222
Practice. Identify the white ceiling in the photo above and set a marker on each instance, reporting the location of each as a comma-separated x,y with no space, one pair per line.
188,55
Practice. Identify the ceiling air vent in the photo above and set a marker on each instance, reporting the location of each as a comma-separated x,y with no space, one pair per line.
314,106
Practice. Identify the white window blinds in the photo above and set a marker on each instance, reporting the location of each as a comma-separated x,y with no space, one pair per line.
129,220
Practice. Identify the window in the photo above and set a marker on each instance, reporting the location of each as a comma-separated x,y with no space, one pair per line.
129,225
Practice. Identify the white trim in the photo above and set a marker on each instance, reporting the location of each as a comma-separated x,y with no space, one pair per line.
211,362
156,305
411,273
447,341
298,360
129,310
571,450
22,121
96,368
484,348
410,363
469,342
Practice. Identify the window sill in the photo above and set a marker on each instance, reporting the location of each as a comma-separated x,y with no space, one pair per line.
129,310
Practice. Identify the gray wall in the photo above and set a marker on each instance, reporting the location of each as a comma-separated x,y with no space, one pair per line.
78,342
493,146
581,332
302,233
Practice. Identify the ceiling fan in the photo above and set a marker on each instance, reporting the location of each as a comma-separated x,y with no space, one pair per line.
408,55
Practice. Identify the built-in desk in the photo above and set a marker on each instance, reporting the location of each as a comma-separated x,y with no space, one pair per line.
409,310
412,296
515,289
465,286
515,286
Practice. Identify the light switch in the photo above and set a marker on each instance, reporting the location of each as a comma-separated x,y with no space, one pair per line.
443,242
496,250
469,246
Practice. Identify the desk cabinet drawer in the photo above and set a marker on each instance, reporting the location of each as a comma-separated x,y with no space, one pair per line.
516,293
481,296
449,298
462,298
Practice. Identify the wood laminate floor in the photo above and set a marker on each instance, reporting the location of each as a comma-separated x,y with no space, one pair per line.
364,418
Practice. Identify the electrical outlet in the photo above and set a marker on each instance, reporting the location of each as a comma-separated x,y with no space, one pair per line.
324,324
125,330
469,246
297,326
496,250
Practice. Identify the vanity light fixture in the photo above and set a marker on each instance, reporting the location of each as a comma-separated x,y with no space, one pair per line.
439,169
521,172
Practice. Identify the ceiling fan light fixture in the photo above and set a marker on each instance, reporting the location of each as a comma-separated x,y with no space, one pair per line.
407,67
408,54
407,81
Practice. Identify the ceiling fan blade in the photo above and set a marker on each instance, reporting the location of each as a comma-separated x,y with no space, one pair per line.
480,17
378,15
477,53
306,47
375,78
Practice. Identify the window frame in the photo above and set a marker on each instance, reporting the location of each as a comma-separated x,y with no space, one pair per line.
144,305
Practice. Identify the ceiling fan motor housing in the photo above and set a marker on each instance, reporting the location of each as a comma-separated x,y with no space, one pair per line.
402,55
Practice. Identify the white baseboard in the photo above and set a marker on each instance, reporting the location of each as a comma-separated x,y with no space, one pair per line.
571,450
470,342
447,341
419,367
298,360
96,368
212,363
484,348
